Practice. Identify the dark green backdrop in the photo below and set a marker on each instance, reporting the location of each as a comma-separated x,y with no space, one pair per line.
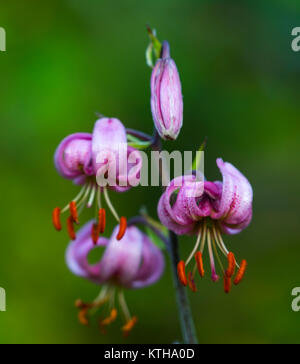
65,60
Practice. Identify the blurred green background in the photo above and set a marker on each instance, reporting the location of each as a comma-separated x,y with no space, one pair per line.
65,60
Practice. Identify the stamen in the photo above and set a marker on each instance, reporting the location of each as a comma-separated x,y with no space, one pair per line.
76,199
95,233
227,284
231,265
82,316
199,261
56,218
85,196
110,205
191,282
102,220
220,246
92,197
99,197
129,326
214,275
240,273
221,242
73,211
181,273
123,227
195,247
217,255
124,306
111,318
81,304
204,237
70,227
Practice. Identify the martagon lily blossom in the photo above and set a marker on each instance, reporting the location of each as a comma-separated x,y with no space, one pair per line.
131,264
88,158
223,208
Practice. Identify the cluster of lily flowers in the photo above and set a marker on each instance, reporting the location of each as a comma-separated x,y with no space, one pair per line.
131,260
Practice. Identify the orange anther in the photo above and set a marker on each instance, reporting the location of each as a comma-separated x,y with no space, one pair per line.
102,220
231,265
56,218
123,227
73,211
199,261
70,227
181,273
82,316
227,284
108,320
240,273
129,326
191,282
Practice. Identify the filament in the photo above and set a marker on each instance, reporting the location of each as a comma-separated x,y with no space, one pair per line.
112,209
124,306
66,208
195,248
92,197
212,261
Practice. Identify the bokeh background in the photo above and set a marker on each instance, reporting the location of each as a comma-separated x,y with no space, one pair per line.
66,60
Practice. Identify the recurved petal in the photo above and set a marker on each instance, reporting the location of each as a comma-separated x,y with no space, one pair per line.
236,229
73,156
170,221
152,267
78,251
122,259
109,135
235,204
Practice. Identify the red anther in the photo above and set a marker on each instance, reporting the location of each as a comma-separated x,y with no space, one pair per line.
181,273
240,274
123,227
191,282
56,218
227,284
70,227
102,220
199,261
231,265
95,233
73,211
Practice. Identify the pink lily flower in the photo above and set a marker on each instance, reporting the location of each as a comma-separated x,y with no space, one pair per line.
87,159
166,96
136,263
223,208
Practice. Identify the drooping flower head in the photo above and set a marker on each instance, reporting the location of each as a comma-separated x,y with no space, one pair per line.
99,162
166,96
223,208
133,263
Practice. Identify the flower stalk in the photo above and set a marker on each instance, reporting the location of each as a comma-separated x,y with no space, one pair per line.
184,308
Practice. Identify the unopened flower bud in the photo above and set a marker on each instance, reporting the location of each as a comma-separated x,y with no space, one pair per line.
166,96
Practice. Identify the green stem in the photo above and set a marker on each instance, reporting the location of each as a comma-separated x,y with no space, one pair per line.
184,308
